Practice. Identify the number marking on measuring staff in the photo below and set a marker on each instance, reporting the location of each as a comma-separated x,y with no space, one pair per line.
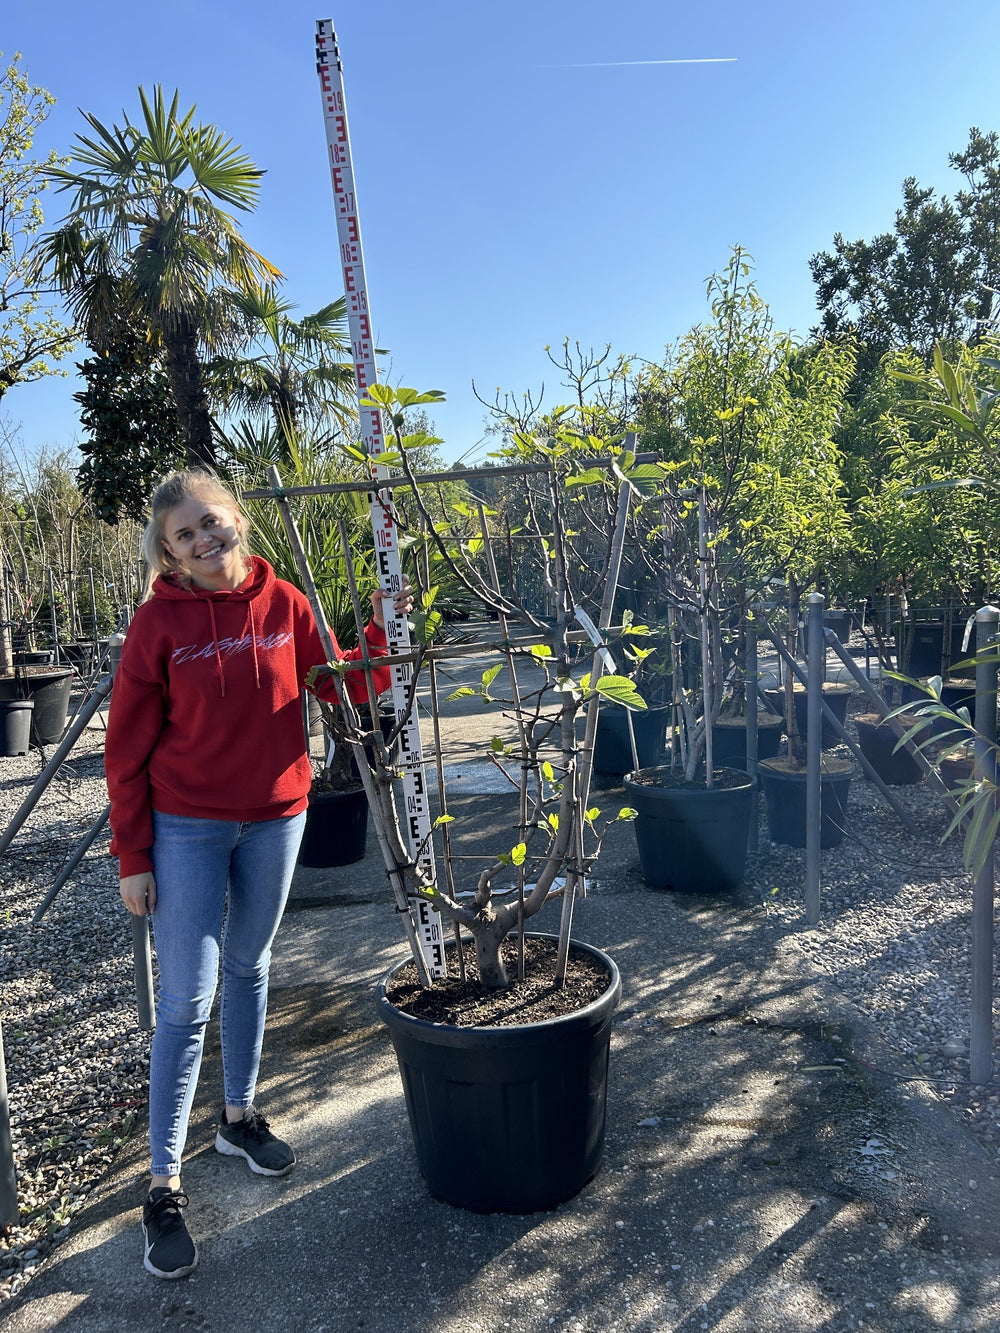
384,530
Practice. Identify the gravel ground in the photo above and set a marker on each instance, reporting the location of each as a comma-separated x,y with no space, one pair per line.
895,936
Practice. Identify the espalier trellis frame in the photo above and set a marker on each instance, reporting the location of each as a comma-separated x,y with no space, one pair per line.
553,796
410,860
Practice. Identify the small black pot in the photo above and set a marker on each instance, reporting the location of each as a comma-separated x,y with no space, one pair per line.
506,1119
785,800
15,726
692,839
336,829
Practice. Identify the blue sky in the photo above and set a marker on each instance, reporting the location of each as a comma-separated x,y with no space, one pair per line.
513,188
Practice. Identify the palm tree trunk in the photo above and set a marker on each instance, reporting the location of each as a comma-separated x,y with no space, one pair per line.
193,416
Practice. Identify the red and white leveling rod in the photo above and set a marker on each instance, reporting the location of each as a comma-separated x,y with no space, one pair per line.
418,819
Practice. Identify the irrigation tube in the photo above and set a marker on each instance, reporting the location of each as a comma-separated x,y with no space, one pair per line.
981,996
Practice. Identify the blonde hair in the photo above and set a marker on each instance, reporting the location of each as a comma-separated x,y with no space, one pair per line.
187,484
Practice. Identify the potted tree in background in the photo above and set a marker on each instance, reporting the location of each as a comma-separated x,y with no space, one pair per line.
742,421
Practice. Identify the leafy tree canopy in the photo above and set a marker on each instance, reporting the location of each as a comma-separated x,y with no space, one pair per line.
31,337
932,278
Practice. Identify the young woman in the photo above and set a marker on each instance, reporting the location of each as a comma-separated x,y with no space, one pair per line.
208,775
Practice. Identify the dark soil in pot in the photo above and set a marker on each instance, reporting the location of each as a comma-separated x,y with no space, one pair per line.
466,1003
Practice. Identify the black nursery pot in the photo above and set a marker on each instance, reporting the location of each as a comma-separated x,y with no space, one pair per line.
692,838
506,1119
785,802
336,829
729,739
612,748
49,690
877,742
15,726
835,696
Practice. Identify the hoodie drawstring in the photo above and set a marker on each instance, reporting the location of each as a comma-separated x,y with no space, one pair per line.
253,645
215,641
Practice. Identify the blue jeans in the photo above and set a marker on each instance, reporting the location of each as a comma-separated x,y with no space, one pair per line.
221,888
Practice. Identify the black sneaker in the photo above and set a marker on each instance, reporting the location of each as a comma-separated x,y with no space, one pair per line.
170,1251
251,1138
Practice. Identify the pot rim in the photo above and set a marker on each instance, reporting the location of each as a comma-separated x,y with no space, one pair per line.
508,1031
825,770
629,779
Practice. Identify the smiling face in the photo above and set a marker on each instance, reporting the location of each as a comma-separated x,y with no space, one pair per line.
203,536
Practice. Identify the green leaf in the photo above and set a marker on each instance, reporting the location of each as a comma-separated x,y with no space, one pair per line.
626,813
463,692
620,690
497,745
378,395
548,772
518,853
489,676
444,819
590,477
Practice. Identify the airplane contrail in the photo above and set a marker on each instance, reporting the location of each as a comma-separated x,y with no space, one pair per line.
606,64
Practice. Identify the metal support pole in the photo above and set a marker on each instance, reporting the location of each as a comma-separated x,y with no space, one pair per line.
79,851
143,959
100,692
751,670
93,617
8,1173
57,656
815,655
981,997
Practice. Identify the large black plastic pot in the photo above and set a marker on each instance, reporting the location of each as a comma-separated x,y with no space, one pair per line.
15,726
877,742
692,838
729,739
785,801
80,656
336,829
506,1119
49,690
612,748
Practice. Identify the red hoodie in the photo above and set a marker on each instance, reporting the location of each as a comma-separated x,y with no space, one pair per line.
206,713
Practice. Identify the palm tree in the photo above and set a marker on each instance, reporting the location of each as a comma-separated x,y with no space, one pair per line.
298,375
147,237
